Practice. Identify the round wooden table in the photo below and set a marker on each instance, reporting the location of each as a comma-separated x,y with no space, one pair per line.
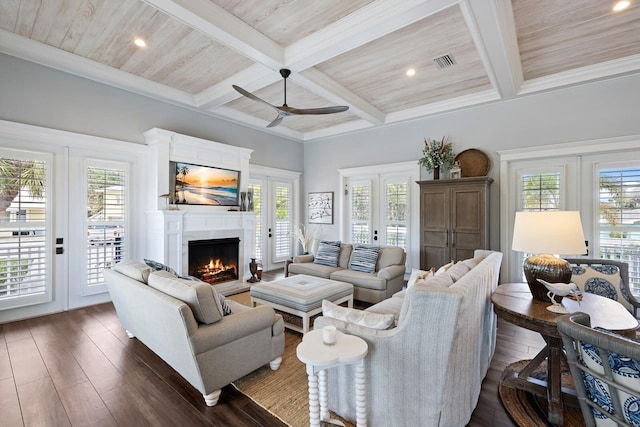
514,303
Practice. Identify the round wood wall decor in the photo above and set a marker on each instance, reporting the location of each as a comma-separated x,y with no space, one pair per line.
473,162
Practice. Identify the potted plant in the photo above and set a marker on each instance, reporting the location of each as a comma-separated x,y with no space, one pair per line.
437,154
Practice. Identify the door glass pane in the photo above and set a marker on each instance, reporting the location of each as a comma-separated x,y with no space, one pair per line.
23,229
396,214
106,214
619,222
361,212
282,243
540,191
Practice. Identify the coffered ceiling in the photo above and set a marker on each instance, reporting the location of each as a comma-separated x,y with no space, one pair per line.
353,53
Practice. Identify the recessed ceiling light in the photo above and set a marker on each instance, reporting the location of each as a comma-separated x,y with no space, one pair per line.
411,72
621,5
139,42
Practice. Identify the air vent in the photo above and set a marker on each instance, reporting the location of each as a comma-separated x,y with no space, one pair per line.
444,61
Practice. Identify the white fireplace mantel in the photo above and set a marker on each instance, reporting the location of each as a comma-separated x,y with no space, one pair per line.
169,233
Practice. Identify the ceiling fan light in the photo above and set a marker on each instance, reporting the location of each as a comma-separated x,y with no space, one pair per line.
621,5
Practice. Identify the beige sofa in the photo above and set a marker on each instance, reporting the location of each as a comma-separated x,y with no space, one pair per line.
387,279
184,324
428,369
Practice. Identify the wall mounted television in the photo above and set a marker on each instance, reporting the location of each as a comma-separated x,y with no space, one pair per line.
192,184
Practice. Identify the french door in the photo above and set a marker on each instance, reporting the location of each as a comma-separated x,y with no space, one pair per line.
380,205
32,274
275,207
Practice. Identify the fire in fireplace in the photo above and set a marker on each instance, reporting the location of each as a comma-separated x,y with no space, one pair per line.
215,260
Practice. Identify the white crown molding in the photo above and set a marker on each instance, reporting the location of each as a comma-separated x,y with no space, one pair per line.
340,129
22,47
444,106
25,133
621,143
627,65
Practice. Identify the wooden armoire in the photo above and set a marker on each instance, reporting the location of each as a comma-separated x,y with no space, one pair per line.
454,219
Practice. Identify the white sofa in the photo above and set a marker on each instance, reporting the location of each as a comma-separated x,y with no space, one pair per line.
428,369
387,279
183,322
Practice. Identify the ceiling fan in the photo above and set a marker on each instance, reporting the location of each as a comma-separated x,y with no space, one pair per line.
285,110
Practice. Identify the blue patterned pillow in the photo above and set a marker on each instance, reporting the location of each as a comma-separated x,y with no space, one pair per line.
160,266
327,253
364,258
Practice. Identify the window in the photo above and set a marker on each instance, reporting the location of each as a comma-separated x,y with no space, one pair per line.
361,212
106,220
282,244
396,212
618,227
25,273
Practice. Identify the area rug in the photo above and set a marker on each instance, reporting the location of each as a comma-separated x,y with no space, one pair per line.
529,410
284,392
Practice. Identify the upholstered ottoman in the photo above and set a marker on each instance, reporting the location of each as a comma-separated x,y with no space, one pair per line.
301,296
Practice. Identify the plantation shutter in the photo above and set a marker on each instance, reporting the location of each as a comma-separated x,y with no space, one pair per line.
361,212
618,227
25,262
106,220
396,212
282,239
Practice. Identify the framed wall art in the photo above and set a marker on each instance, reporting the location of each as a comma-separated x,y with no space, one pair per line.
320,208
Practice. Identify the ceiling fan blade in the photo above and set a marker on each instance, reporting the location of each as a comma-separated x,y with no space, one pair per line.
251,96
276,121
324,110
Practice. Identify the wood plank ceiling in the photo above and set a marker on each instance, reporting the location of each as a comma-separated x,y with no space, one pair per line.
353,53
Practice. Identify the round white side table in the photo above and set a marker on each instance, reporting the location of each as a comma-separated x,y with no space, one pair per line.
318,356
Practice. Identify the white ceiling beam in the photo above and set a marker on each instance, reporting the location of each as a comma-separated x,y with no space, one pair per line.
253,78
320,84
371,22
485,30
215,22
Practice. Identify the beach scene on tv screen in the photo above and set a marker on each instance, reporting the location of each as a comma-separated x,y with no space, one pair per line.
201,185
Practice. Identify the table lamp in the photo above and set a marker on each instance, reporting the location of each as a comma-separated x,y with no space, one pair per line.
543,233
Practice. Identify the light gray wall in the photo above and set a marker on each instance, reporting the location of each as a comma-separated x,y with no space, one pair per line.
37,95
41,96
585,112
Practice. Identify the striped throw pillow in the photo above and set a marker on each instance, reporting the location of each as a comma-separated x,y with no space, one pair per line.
364,258
327,253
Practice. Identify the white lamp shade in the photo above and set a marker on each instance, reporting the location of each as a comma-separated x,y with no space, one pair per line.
548,232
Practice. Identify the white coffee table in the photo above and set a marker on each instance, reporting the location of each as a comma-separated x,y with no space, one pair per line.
348,350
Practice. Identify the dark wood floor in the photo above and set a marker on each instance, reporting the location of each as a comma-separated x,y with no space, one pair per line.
79,368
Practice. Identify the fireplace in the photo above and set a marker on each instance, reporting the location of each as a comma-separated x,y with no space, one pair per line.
214,260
